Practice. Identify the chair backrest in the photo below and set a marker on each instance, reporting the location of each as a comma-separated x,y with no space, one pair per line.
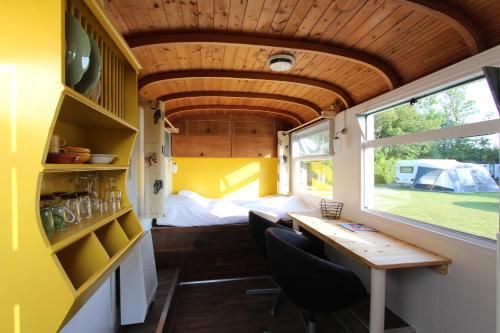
258,226
309,281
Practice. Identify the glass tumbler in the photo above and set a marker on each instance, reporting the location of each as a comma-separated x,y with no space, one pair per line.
85,205
71,202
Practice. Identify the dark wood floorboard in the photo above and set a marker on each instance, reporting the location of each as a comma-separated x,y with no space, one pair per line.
225,308
155,310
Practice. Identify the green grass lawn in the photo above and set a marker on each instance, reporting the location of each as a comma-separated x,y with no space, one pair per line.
473,213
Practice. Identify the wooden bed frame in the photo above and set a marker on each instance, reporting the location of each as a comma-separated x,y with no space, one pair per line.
208,252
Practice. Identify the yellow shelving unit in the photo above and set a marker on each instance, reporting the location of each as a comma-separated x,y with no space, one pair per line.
45,279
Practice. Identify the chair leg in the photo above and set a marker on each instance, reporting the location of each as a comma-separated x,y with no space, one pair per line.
268,291
275,304
311,323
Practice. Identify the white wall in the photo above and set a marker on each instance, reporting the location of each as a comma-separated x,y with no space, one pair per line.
464,301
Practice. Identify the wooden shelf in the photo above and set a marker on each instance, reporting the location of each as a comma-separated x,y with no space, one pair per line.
49,167
64,237
78,109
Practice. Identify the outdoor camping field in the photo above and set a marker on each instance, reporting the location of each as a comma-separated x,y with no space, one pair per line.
474,213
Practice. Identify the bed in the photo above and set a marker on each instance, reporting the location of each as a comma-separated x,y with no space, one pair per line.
190,209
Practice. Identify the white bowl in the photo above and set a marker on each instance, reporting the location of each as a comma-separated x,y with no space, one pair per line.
101,158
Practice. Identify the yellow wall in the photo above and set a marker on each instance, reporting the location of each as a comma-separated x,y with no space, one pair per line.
226,177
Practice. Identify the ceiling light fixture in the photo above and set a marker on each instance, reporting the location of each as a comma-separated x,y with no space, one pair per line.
281,62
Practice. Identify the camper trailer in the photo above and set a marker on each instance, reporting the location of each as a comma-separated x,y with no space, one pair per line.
445,176
200,166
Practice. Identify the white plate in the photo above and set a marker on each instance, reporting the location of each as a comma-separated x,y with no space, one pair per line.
101,158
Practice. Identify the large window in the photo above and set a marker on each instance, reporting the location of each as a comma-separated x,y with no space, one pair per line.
435,160
312,163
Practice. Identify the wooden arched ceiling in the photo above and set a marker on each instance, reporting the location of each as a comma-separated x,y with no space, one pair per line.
362,48
290,116
242,95
243,75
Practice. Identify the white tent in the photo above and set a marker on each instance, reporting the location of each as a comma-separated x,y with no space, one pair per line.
453,176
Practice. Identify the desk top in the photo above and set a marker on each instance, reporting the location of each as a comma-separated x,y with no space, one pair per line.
373,249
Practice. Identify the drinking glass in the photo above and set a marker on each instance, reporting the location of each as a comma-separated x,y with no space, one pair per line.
71,181
113,195
94,193
85,205
70,201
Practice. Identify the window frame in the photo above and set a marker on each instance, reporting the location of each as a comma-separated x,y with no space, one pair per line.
368,146
294,161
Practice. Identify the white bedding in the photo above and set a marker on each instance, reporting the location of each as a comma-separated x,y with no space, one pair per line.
189,209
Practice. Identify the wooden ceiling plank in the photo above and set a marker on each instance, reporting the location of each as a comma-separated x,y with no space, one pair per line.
189,108
283,15
314,14
370,23
388,74
173,12
460,22
370,9
234,75
206,15
266,16
297,17
183,56
236,15
383,28
195,56
397,32
342,19
252,14
221,14
327,17
189,11
249,95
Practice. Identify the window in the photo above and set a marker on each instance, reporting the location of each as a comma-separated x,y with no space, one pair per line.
312,161
435,160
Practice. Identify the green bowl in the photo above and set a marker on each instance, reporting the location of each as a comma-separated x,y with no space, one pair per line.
77,51
92,75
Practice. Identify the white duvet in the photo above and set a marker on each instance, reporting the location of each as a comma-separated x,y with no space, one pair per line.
189,209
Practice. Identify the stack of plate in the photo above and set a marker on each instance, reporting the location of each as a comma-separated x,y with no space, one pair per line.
82,153
83,60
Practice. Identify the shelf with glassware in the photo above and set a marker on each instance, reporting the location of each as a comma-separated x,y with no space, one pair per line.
74,204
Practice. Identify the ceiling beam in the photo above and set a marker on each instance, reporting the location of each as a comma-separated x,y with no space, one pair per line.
240,94
458,21
257,109
389,75
257,76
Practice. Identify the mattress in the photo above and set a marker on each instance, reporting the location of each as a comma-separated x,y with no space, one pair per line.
190,209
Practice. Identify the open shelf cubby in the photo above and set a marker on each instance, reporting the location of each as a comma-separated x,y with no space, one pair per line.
130,224
112,237
82,259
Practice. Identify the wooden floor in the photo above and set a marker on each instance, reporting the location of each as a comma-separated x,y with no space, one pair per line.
225,308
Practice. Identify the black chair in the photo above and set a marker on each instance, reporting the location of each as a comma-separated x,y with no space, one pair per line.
258,227
312,283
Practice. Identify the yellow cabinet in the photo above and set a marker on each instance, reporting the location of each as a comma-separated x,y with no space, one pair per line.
45,279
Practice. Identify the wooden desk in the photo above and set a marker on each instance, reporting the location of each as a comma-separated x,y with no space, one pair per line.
375,250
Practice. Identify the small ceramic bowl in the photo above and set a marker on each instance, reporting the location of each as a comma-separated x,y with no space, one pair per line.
101,158
62,158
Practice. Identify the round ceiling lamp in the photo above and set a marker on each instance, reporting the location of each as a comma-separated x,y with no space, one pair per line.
281,62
